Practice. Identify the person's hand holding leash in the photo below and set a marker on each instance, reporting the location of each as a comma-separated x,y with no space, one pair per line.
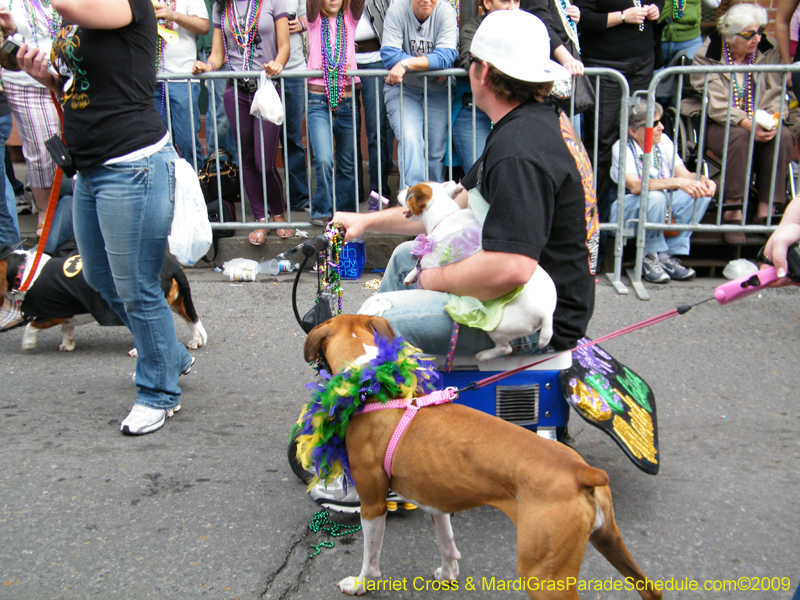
784,236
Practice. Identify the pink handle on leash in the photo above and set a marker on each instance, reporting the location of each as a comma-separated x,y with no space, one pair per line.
744,286
374,194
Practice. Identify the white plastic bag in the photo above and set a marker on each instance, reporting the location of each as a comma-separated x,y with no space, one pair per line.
739,268
266,102
190,237
240,269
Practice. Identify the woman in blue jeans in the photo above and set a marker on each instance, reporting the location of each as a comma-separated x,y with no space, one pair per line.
123,199
331,47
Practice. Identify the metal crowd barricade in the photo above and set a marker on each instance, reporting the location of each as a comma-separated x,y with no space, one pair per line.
184,79
718,226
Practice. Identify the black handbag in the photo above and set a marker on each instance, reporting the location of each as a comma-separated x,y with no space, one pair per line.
228,178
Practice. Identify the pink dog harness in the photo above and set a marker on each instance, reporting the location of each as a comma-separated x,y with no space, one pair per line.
411,406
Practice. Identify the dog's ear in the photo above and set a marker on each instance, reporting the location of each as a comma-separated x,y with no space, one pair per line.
417,198
314,340
381,327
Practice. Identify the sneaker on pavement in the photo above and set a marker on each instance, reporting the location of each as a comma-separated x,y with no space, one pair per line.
23,206
143,419
673,267
652,270
188,369
320,221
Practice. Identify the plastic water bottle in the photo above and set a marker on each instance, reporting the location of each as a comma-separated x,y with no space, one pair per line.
274,266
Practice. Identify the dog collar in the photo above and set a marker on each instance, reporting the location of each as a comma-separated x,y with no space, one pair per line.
412,406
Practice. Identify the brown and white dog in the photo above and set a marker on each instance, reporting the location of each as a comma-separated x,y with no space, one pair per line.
557,502
60,296
446,223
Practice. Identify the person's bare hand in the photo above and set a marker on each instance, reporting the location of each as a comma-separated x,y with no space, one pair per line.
295,26
273,67
574,13
7,23
787,233
652,12
763,135
163,11
200,67
395,75
574,66
353,224
635,15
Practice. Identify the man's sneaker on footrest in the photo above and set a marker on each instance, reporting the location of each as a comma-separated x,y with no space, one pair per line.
673,267
652,270
333,497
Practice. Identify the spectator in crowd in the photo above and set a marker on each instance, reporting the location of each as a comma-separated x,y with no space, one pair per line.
105,54
369,33
561,19
24,206
681,33
467,148
33,109
243,39
331,47
216,119
740,40
689,199
787,23
614,34
419,35
9,227
295,99
187,18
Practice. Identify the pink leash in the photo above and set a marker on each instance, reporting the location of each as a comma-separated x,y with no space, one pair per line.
411,406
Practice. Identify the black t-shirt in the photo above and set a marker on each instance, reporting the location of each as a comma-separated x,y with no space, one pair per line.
538,209
108,78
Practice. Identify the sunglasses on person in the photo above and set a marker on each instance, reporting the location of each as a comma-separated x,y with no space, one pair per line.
750,34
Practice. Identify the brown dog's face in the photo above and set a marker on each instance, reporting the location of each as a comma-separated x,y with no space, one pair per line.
343,339
418,197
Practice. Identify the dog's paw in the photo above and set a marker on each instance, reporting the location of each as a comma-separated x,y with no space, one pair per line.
133,353
353,586
447,572
490,353
29,338
66,347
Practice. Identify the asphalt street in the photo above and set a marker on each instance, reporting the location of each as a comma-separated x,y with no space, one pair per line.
208,507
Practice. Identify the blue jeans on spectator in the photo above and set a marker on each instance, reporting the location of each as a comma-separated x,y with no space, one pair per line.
61,229
16,184
9,227
419,315
370,86
184,116
218,120
319,132
682,210
462,135
122,216
670,49
409,128
297,177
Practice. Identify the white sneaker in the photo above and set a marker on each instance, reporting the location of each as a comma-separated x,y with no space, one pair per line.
143,419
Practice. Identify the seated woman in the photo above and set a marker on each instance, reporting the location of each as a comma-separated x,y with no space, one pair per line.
740,40
690,196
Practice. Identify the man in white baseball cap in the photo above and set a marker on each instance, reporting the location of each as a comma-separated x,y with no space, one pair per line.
528,184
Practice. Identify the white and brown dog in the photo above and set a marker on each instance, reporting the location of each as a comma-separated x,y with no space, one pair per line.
557,502
453,234
60,296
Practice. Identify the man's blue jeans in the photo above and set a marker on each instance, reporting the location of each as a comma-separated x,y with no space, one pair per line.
297,178
319,132
9,227
370,87
122,215
419,315
184,116
682,209
409,128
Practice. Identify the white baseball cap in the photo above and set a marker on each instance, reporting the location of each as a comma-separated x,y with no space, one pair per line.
517,44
